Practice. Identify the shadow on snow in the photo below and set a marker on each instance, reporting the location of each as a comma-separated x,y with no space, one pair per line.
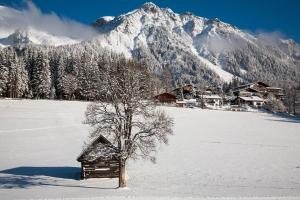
282,117
24,177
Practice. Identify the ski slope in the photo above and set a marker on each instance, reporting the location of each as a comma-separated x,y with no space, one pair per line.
212,155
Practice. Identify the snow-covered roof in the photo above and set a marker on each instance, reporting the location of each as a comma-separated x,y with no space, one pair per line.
274,88
252,98
100,148
211,97
184,101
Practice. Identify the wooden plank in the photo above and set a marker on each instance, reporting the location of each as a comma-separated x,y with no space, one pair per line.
96,175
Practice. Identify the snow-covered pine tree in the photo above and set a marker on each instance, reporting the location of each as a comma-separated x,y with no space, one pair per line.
3,74
22,79
41,81
70,86
88,78
59,77
12,84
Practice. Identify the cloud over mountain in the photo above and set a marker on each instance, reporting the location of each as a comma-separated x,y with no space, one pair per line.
31,17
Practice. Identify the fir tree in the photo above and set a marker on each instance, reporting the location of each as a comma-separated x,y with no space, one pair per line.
41,82
3,74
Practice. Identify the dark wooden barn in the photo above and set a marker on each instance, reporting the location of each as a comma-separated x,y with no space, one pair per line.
99,160
165,98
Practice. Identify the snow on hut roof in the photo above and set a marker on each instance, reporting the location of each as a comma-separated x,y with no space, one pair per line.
100,148
252,98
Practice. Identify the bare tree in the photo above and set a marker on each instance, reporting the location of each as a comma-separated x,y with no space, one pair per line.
290,97
166,79
274,105
201,91
126,115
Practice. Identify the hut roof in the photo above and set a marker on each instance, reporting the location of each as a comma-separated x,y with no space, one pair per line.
100,148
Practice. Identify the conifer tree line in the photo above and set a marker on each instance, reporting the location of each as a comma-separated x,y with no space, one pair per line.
54,73
73,72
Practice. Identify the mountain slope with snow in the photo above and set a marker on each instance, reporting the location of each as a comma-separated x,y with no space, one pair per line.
192,49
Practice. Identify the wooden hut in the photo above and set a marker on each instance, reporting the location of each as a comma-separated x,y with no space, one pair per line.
165,98
99,160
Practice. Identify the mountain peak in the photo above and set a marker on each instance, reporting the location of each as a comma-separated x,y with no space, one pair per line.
149,6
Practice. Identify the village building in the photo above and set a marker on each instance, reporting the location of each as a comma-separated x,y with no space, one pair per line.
165,98
212,100
276,92
253,101
246,92
99,160
259,89
226,99
189,103
184,92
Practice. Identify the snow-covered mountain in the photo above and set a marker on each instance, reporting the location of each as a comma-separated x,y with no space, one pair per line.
22,37
20,28
194,48
188,47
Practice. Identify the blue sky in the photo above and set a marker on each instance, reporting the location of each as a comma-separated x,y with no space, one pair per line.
252,15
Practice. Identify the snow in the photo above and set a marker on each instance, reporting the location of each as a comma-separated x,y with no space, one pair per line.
224,75
108,18
187,101
38,37
211,97
131,33
212,155
252,98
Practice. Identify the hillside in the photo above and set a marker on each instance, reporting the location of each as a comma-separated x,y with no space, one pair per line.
195,48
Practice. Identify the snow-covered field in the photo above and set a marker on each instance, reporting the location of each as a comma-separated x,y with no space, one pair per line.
212,154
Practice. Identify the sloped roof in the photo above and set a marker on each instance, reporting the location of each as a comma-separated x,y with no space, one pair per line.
251,84
274,88
252,98
185,101
100,148
214,96
166,93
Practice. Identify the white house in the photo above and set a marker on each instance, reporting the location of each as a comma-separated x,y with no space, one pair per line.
186,103
212,100
254,101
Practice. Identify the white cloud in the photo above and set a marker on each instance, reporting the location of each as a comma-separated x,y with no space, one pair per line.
269,38
12,19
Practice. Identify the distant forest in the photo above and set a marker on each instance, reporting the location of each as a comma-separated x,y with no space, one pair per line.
54,73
